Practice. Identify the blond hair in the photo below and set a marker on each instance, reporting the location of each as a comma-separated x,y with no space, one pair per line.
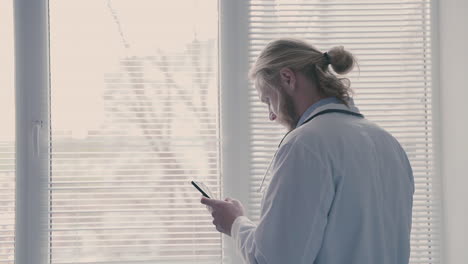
300,56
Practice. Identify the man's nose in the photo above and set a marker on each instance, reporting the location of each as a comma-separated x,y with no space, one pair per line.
272,116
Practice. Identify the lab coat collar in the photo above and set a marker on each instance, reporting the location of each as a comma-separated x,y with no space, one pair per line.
339,106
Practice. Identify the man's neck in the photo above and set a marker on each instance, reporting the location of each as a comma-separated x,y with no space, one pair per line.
302,104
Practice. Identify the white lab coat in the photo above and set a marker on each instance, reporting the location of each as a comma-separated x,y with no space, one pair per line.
341,192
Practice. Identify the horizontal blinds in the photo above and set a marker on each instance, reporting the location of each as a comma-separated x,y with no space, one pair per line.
136,134
392,85
7,135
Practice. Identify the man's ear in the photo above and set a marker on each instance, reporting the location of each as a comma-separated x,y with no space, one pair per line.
288,79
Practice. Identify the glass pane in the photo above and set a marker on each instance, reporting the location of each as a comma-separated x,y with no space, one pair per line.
392,85
134,101
7,135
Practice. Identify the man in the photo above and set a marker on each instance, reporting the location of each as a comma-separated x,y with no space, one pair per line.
341,189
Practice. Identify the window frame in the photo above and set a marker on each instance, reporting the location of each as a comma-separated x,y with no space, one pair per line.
234,112
32,130
449,42
33,123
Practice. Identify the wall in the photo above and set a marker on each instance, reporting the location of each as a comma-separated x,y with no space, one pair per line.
453,121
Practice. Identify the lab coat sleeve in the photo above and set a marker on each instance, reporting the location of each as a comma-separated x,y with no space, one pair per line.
294,211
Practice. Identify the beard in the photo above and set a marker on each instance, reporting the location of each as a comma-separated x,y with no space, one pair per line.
287,112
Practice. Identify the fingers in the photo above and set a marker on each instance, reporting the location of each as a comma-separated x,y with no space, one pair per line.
216,203
236,202
210,202
217,225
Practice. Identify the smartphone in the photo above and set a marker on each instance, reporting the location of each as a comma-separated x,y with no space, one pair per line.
202,189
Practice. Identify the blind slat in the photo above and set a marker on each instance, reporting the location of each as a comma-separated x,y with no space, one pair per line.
391,40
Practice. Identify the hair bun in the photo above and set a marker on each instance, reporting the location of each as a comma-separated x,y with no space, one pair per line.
341,60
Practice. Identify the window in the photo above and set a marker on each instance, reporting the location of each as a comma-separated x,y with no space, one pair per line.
7,135
392,85
136,112
134,118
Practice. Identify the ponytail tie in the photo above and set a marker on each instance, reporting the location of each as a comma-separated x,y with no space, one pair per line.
327,58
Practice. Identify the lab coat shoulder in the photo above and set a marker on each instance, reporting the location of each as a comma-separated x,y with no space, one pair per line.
318,134
308,139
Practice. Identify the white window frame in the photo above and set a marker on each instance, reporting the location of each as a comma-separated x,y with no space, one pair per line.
234,104
32,130
449,39
450,42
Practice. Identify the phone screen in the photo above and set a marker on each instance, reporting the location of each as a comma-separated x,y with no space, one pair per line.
202,189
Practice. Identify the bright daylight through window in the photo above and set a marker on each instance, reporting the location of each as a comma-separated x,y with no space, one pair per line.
135,116
392,85
7,135
134,119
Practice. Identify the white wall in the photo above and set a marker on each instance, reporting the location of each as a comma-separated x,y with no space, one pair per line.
453,119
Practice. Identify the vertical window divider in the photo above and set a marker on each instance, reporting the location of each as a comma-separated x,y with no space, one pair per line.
234,108
32,130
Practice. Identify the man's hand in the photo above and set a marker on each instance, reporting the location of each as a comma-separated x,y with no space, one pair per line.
224,213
